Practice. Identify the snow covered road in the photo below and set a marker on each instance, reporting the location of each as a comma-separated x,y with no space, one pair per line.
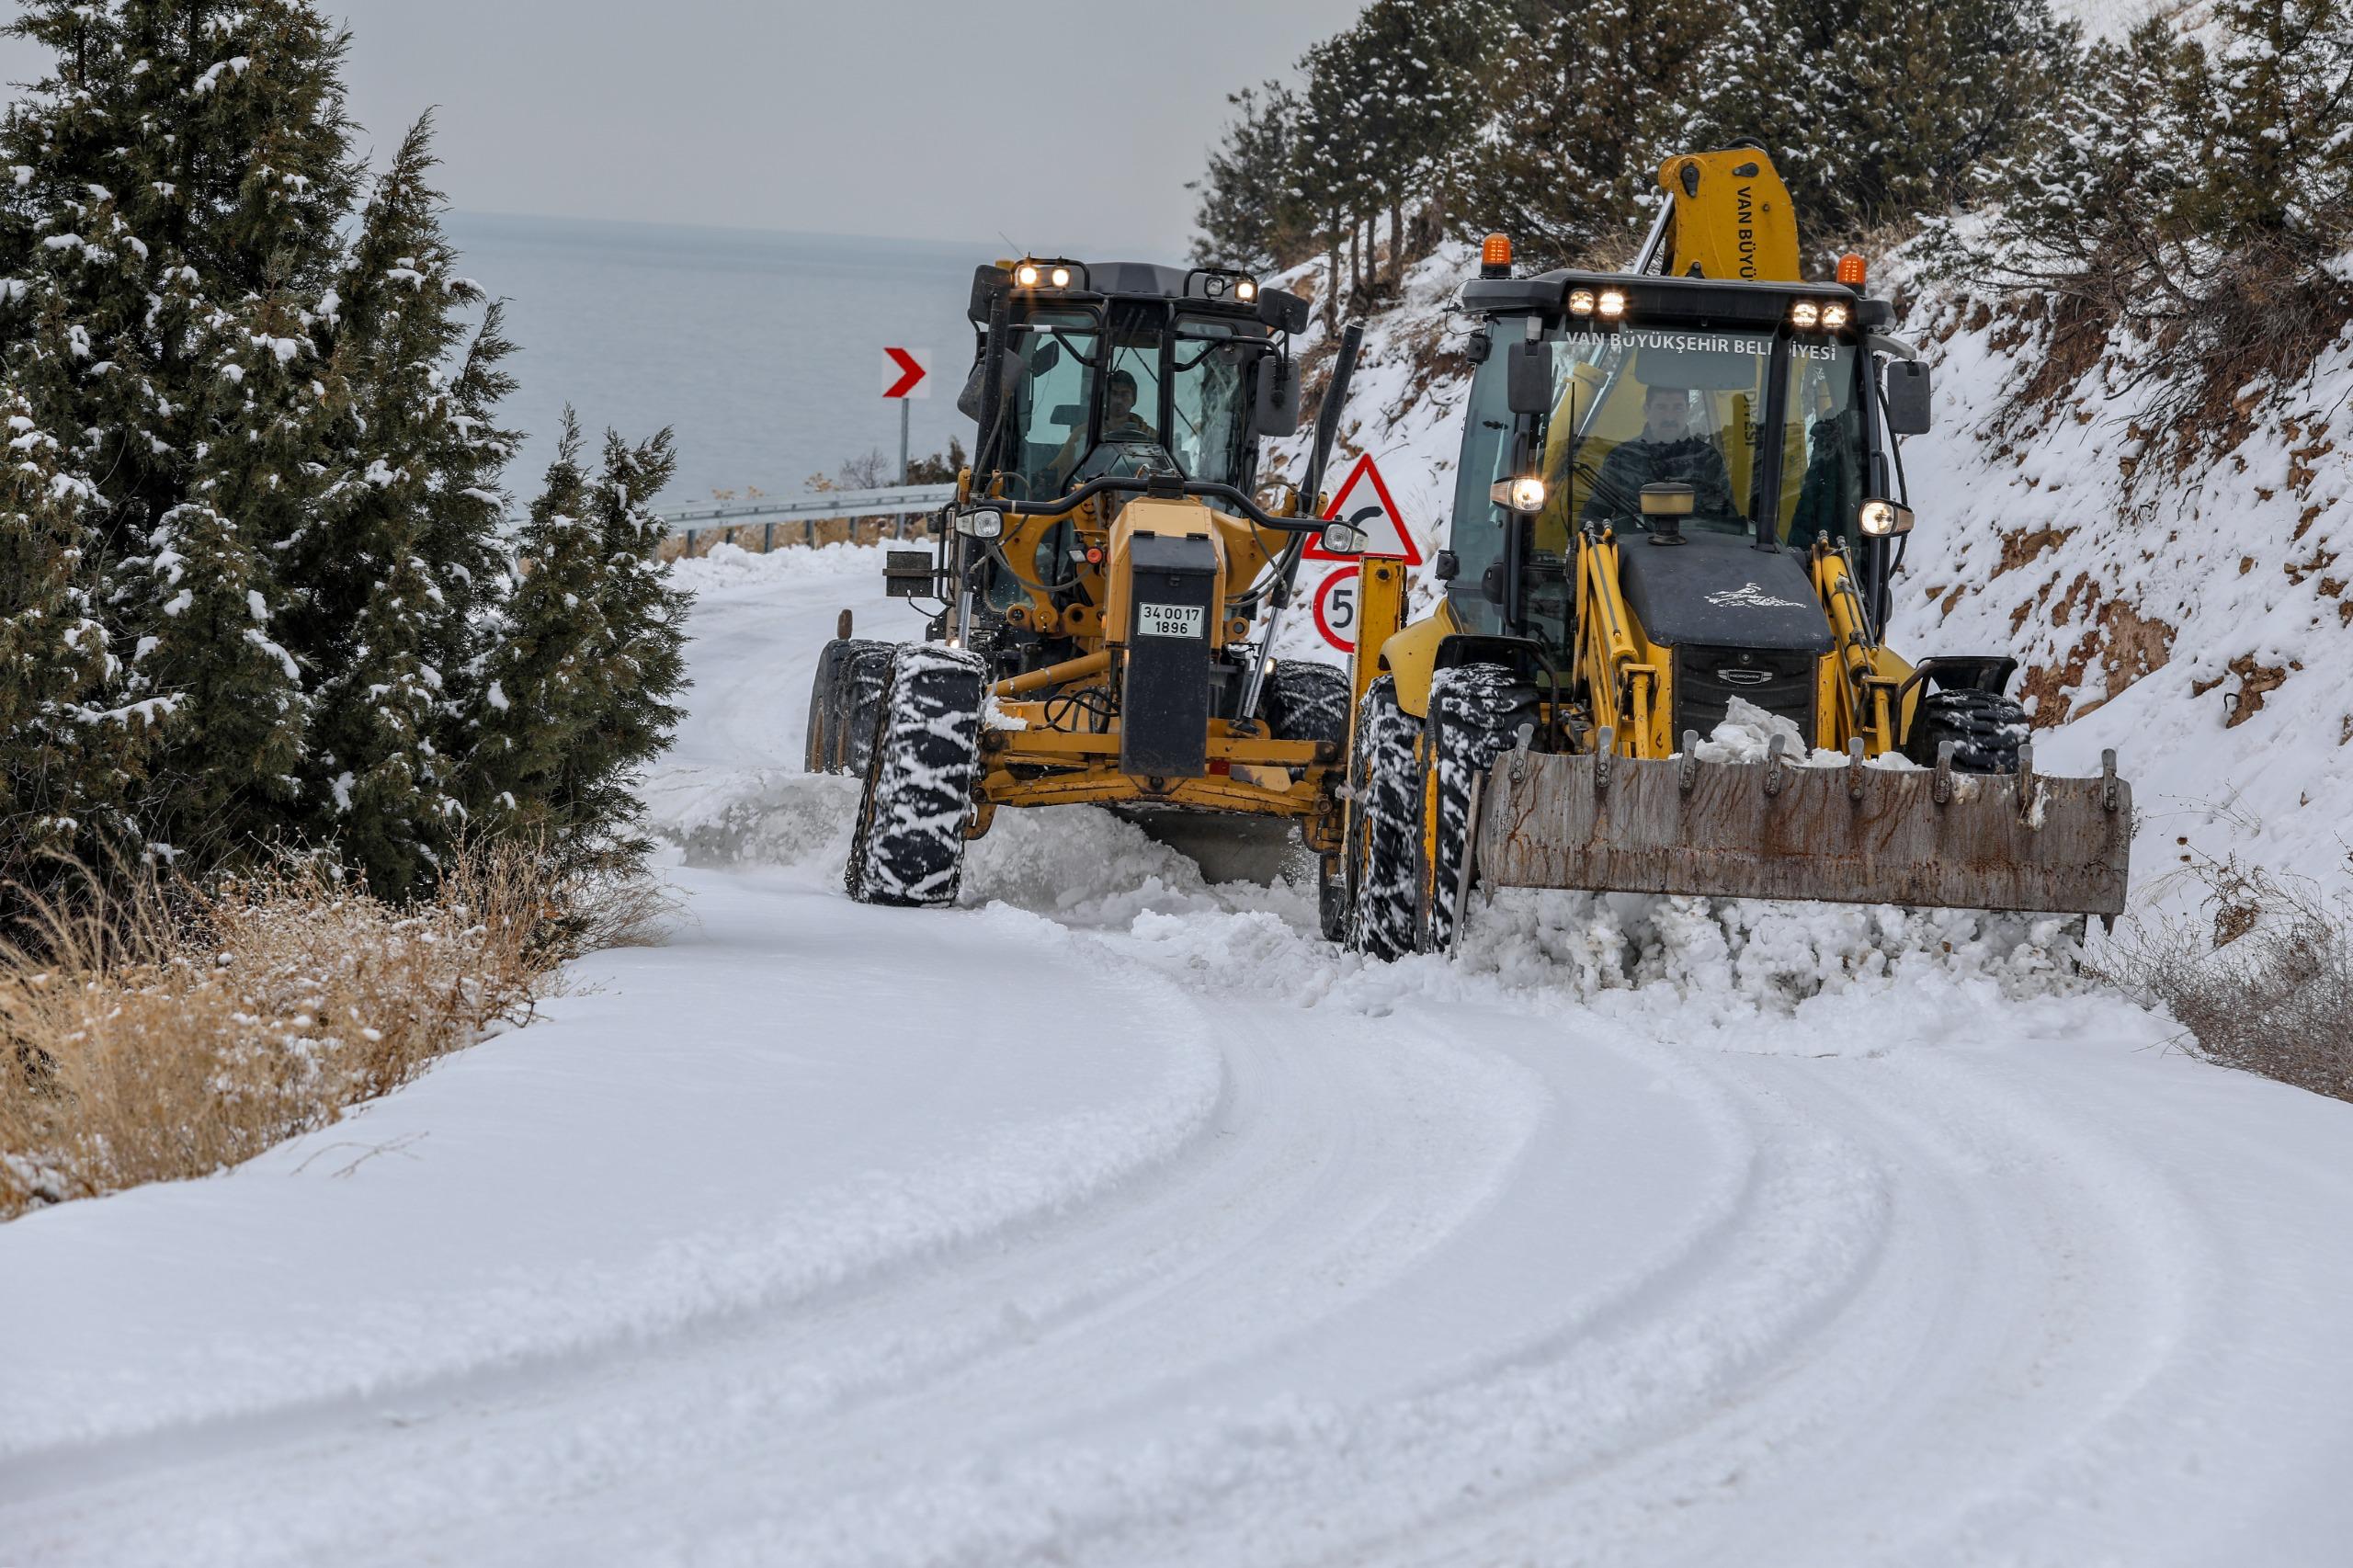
1114,1219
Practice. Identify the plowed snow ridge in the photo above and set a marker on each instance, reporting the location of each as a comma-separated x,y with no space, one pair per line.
1114,1219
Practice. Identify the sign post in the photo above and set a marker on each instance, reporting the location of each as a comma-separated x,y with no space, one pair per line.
905,375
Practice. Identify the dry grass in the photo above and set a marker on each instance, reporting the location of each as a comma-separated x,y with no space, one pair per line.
2264,984
166,1033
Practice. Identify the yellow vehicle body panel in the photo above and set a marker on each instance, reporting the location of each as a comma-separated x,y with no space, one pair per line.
1410,657
1733,218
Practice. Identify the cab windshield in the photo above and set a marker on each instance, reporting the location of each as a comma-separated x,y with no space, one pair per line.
1157,393
1664,405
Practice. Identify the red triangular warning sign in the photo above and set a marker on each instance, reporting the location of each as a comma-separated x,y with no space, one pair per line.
1386,530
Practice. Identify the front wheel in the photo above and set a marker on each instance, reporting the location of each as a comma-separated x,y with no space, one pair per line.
1476,714
1384,794
922,772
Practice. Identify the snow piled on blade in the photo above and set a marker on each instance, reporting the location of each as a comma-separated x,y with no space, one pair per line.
1749,732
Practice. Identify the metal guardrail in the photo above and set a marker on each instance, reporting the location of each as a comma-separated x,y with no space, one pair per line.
896,501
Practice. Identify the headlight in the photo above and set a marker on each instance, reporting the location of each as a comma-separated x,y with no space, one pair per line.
1580,301
1611,304
1026,275
1833,316
1245,291
1525,494
1881,518
1061,277
981,522
1805,315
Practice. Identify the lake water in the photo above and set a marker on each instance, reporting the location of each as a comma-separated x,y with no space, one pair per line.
764,351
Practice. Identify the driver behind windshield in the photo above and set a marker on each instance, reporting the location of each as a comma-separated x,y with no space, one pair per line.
1120,422
1665,453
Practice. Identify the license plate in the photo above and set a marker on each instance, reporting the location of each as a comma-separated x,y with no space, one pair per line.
1169,621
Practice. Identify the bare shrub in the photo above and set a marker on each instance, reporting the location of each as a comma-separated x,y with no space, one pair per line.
2264,983
165,1031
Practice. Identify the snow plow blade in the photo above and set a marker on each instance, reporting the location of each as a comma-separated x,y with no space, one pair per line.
1845,834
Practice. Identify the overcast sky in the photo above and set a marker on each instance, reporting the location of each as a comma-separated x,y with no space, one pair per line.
1064,125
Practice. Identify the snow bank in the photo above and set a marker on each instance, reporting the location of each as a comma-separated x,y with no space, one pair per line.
728,566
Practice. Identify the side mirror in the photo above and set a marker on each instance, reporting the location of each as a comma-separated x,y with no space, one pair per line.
1276,413
1344,539
1283,311
1907,398
1008,379
1530,368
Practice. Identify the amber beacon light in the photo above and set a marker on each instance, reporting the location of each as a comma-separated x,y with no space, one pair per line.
1851,270
1494,256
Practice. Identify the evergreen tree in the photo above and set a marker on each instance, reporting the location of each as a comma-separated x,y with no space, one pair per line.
1335,179
208,593
186,155
256,592
1876,110
56,783
1249,214
1423,61
1589,100
395,560
2278,153
581,680
2096,204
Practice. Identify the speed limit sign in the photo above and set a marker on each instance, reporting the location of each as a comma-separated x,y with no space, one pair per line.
1335,609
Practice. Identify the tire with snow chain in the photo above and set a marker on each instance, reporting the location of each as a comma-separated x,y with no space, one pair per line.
1384,793
1307,702
1986,730
1476,713
920,774
859,676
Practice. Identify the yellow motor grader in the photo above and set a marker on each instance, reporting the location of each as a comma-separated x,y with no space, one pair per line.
1680,498
1106,583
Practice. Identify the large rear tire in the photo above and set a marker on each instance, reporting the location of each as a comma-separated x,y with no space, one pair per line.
1476,714
922,770
1985,728
1384,794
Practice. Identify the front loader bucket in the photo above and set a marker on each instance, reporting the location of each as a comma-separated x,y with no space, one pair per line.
1847,834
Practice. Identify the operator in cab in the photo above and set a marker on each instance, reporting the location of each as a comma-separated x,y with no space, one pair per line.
1121,423
1666,452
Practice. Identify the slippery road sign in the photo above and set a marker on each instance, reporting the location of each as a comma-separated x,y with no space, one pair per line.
1370,509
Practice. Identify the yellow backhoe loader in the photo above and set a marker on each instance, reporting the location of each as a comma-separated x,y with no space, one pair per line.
1680,500
1107,586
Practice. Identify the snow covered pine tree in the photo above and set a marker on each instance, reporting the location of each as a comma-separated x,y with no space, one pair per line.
260,587
577,685
400,557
